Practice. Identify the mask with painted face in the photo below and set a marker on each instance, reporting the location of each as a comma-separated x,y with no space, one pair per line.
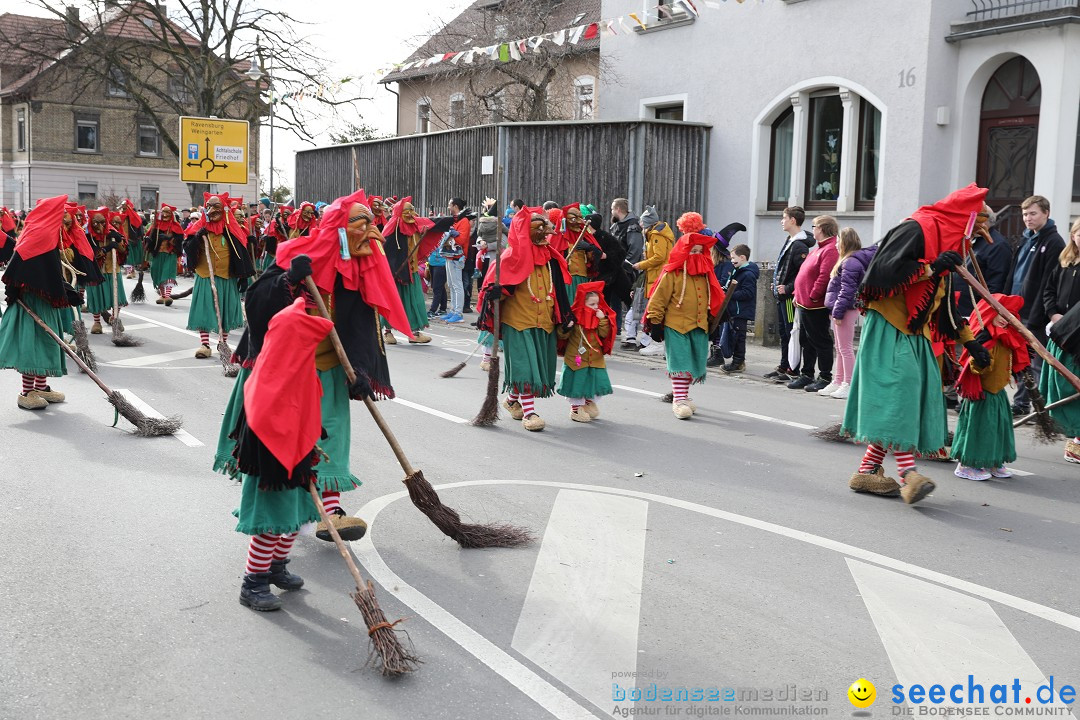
360,231
408,213
574,221
539,230
215,210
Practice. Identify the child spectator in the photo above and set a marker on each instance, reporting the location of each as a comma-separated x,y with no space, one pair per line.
743,305
844,283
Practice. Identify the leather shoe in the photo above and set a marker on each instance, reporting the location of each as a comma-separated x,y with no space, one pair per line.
801,382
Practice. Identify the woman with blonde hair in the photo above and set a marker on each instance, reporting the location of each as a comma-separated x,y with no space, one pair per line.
844,282
1060,300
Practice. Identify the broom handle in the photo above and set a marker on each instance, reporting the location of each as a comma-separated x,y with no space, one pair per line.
360,584
1051,406
213,284
496,329
351,374
115,291
1019,326
64,346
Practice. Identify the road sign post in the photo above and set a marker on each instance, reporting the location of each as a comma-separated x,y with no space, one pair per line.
215,151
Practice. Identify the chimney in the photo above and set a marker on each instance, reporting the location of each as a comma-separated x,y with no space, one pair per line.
71,13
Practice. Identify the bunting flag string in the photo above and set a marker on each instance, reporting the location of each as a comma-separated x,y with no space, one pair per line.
516,50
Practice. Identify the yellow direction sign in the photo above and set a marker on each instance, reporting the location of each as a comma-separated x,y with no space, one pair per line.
213,151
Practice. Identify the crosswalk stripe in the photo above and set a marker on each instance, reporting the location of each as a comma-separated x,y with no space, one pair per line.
156,359
581,613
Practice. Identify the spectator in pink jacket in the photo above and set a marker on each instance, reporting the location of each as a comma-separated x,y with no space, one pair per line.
810,286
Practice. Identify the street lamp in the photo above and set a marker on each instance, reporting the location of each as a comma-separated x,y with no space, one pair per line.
256,74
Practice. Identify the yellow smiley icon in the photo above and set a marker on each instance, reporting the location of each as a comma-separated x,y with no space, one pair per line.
862,693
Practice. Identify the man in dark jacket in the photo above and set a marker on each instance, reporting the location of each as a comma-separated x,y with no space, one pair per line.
626,228
796,248
994,255
1035,257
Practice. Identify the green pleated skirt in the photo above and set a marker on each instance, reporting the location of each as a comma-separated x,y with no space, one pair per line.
263,264
487,339
272,511
895,399
529,358
162,268
984,433
24,346
586,382
136,253
201,316
686,353
1054,387
99,298
412,298
334,472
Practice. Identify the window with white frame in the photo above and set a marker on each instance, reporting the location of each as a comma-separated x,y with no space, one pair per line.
20,130
116,86
584,97
423,115
825,152
86,133
87,193
457,110
148,140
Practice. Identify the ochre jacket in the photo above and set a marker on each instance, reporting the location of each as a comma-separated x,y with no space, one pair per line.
521,312
681,308
593,357
659,239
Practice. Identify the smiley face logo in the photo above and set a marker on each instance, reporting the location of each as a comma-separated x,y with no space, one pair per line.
862,693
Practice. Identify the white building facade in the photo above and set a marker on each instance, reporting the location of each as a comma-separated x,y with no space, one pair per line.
861,109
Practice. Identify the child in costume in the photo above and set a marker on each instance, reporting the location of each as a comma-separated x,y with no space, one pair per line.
683,303
106,238
984,439
35,277
583,348
895,401
278,461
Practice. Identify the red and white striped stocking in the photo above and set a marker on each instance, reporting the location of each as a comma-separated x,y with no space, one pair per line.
680,386
261,552
875,455
331,501
27,383
204,338
284,545
527,403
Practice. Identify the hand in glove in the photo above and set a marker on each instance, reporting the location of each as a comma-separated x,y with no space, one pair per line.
980,356
74,297
946,262
983,336
656,332
299,268
361,389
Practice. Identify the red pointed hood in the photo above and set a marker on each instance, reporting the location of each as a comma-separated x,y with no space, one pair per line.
76,236
169,226
587,319
228,220
519,259
369,275
43,229
296,220
945,222
133,218
285,384
681,258
418,226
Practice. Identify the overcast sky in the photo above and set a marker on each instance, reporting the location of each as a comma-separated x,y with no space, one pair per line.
356,39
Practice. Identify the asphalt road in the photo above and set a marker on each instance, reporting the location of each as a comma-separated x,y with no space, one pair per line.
725,551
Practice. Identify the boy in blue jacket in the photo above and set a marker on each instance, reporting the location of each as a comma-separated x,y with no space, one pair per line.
743,305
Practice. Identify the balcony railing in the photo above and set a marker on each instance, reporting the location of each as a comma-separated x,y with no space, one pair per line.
996,9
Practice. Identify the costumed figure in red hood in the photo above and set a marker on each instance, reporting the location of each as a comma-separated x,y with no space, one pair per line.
279,460
278,227
378,209
261,259
129,223
8,228
582,250
532,289
984,439
232,268
35,276
407,235
683,303
895,402
78,251
106,236
583,348
304,221
1061,299
357,289
164,238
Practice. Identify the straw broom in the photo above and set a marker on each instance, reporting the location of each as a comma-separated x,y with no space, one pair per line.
395,659
119,337
461,365
223,349
489,410
421,492
145,426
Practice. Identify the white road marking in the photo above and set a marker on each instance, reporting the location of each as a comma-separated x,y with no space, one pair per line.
936,635
139,326
650,393
1045,612
190,333
1019,473
157,359
546,695
182,435
431,411
778,421
583,606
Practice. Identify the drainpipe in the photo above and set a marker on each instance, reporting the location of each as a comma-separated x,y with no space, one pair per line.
397,107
